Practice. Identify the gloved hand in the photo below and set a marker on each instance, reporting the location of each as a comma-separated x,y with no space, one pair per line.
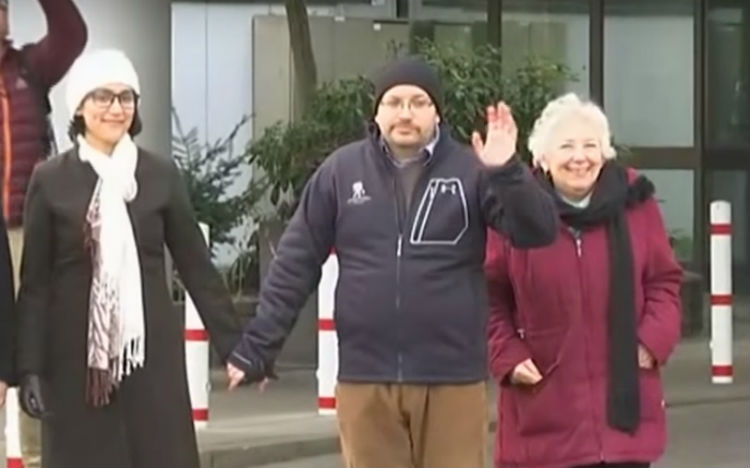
30,396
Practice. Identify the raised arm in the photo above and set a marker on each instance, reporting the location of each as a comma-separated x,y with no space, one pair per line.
511,200
52,56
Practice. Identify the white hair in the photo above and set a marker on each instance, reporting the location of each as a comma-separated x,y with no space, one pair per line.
561,109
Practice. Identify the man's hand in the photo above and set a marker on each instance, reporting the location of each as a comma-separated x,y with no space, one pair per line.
526,373
645,358
3,392
237,375
502,135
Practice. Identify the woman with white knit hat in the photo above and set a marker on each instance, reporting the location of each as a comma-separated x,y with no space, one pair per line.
101,350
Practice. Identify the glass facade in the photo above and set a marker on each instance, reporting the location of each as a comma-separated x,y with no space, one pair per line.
673,77
732,186
554,29
648,71
726,158
675,191
462,24
728,73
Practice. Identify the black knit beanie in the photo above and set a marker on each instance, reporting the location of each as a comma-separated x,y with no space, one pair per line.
409,71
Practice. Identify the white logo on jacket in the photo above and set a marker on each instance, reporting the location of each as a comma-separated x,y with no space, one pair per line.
359,195
443,214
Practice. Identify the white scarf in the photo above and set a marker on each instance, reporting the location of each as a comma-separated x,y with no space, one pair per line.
116,335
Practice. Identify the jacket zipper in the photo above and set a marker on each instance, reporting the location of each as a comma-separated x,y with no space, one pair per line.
578,237
399,247
399,250
401,220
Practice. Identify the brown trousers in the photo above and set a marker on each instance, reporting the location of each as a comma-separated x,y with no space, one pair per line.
30,429
413,426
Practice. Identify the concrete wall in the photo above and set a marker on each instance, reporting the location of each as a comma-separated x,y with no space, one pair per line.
343,47
220,52
142,30
212,81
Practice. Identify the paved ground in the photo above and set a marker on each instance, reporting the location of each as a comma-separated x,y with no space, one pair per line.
712,435
710,423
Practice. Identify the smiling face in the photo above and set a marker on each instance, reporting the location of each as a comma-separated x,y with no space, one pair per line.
108,113
407,118
574,156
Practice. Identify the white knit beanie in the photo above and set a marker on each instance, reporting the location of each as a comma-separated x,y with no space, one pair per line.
96,69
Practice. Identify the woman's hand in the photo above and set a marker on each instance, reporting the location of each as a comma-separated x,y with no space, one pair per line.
645,358
526,373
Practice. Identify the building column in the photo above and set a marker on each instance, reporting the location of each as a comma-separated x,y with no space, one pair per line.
495,22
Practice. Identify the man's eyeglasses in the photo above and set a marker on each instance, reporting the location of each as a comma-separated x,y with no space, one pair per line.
105,98
414,105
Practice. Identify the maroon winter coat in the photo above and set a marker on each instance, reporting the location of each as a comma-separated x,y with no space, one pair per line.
551,305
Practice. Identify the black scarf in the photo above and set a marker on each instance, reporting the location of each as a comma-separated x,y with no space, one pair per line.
611,196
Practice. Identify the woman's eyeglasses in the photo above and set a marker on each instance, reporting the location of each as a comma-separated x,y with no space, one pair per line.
104,98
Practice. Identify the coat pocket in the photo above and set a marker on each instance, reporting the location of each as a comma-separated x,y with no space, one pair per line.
542,408
546,347
652,395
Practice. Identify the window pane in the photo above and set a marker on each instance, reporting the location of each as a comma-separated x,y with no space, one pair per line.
732,187
648,71
728,68
557,29
674,191
461,24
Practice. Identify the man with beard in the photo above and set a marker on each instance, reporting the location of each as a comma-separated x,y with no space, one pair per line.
406,210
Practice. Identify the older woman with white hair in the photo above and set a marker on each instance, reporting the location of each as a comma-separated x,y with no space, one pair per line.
101,348
580,330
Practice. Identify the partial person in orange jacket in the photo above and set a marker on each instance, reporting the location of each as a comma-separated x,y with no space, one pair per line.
27,74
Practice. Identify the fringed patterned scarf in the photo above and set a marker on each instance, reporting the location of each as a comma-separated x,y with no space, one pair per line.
116,331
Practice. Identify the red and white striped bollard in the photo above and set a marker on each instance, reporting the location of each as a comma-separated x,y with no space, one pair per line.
721,292
328,351
197,357
13,458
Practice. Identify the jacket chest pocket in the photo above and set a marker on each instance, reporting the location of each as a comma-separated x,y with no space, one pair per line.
442,217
